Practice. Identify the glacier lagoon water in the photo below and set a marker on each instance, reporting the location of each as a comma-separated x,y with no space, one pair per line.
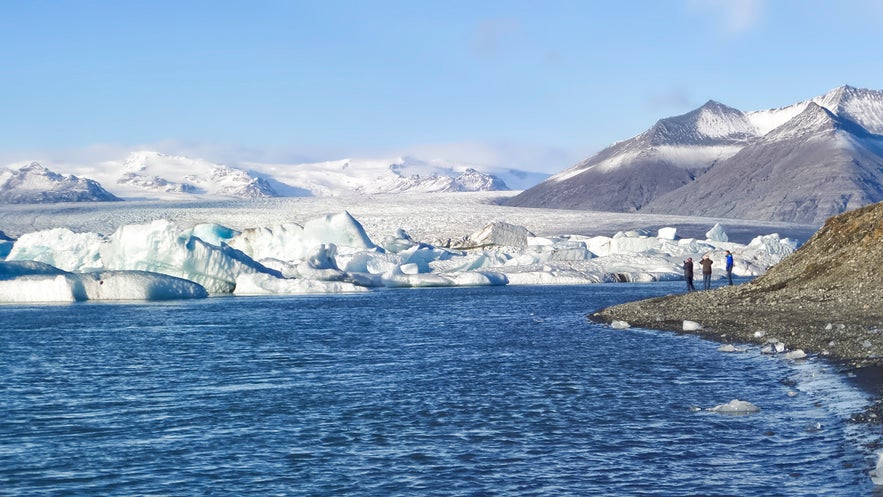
468,391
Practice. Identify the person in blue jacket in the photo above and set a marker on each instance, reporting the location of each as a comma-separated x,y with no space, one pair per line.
729,267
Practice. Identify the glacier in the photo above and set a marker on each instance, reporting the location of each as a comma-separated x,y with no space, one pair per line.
333,253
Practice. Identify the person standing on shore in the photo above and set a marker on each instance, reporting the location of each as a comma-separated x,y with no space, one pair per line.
688,273
729,268
706,263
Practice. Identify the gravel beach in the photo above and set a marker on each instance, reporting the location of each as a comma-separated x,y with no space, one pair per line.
825,299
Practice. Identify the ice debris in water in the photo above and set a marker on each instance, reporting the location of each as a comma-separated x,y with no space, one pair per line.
877,473
795,354
773,346
736,406
730,348
619,325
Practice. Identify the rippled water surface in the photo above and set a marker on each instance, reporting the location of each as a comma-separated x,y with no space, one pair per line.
470,391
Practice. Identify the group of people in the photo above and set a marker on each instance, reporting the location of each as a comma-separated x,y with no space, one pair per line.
706,263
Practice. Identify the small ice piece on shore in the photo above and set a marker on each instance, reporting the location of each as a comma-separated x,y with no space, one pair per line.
795,354
877,473
736,406
759,334
692,326
773,346
620,325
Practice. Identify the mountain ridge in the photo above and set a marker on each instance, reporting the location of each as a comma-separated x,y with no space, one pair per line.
153,175
801,163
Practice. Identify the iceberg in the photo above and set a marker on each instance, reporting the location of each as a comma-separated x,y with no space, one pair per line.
30,282
59,247
333,254
161,247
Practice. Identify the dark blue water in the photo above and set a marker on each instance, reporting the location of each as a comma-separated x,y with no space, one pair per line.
470,391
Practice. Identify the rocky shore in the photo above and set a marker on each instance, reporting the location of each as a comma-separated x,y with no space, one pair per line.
825,299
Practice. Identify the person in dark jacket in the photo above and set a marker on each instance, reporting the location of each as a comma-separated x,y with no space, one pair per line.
688,273
729,268
706,263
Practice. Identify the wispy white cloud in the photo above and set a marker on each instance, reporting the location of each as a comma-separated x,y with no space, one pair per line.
734,16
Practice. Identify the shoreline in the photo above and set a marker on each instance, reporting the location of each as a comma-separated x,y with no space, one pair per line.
849,343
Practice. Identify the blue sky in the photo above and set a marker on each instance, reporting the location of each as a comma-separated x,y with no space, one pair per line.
534,85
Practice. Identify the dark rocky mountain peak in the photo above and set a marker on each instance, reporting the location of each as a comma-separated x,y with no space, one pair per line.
713,123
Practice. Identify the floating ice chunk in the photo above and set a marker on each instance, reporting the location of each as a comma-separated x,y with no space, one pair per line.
341,229
266,284
41,288
160,247
12,269
795,354
292,242
667,233
877,473
773,346
281,242
557,277
410,268
401,241
369,262
730,348
478,278
321,265
620,325
691,326
397,278
422,255
736,406
501,234
717,234
22,282
773,245
138,285
59,247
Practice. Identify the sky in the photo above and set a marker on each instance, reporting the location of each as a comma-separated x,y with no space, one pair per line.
533,85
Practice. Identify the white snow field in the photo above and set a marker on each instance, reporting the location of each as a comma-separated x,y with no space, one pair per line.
161,250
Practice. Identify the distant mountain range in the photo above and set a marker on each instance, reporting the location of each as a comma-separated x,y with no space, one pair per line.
153,175
802,163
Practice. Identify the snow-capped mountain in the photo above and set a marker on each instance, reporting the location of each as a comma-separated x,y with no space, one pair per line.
369,176
154,175
161,173
34,183
800,163
629,174
814,166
